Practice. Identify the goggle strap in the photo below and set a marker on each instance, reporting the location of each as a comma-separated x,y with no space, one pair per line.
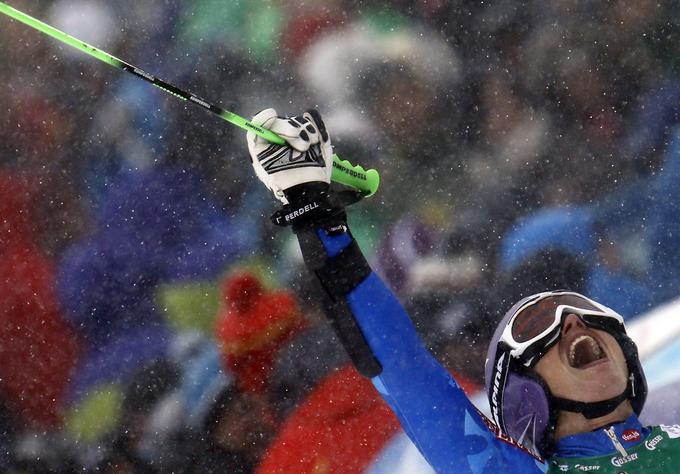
593,409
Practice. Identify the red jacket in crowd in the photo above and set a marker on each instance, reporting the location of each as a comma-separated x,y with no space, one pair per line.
37,348
251,328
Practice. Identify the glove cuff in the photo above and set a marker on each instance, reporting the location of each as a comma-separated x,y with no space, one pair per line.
315,204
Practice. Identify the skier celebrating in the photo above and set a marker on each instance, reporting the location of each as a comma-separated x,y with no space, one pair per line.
564,381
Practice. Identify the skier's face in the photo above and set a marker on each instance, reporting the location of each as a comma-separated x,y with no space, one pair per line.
586,365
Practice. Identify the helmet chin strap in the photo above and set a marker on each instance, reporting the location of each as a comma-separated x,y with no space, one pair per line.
593,410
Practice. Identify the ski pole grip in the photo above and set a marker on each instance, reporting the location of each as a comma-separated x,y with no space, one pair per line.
344,172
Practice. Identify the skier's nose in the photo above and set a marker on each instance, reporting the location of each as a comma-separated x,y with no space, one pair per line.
571,322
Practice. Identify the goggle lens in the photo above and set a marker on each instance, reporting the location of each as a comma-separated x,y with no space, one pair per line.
537,318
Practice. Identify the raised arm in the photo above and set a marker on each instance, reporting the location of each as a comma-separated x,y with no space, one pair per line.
373,326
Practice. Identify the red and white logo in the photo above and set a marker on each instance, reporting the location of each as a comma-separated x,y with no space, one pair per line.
631,435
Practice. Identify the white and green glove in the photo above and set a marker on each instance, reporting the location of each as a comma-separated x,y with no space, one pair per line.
307,158
299,173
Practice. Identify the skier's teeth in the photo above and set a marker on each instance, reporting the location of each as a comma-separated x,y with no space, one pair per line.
597,350
572,349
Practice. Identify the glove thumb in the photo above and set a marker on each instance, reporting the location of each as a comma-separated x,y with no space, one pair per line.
264,118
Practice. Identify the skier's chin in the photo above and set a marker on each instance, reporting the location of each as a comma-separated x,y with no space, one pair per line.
598,381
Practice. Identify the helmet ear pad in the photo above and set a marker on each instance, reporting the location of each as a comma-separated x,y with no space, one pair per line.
527,409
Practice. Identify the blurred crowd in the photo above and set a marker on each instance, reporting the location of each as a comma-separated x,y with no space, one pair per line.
152,319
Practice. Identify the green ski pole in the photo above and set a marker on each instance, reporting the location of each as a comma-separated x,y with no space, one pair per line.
344,172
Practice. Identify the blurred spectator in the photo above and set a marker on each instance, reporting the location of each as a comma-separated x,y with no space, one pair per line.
569,229
664,224
514,138
252,325
154,226
549,268
405,243
226,429
385,81
451,320
42,156
239,428
305,23
308,357
654,118
235,26
339,427
91,21
130,444
37,348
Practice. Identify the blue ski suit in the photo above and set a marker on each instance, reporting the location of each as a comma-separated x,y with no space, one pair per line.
452,435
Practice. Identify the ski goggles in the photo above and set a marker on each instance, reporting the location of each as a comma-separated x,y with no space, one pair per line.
534,329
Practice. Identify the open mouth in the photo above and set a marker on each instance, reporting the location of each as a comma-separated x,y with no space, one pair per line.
583,351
